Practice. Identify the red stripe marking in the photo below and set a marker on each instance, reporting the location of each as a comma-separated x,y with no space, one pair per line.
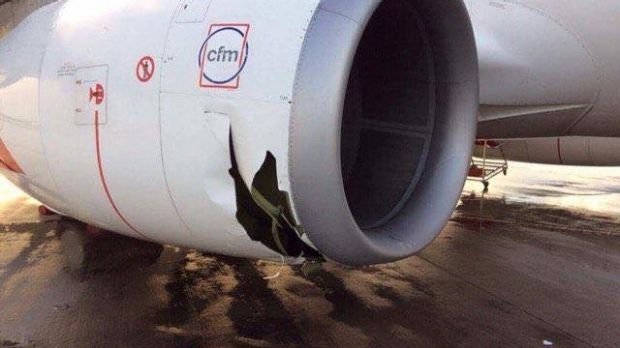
103,181
7,160
560,151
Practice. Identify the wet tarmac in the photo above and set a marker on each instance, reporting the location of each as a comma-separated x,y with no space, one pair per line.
534,262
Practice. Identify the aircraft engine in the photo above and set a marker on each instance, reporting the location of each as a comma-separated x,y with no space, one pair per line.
295,129
381,130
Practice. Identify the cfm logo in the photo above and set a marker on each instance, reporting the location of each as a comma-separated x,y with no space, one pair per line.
223,56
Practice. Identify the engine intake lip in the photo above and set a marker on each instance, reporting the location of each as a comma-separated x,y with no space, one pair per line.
316,167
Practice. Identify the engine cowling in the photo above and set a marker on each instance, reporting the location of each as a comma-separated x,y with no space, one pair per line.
335,128
399,99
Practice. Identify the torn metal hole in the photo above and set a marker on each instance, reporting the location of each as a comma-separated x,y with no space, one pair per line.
265,212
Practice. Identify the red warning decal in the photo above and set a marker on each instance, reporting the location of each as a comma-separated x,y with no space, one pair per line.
97,94
145,69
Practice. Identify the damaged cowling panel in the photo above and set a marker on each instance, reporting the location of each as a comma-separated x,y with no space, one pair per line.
265,212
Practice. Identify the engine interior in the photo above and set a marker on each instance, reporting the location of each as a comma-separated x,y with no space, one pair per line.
388,115
383,120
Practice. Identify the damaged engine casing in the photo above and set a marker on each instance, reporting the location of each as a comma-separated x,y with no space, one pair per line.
297,129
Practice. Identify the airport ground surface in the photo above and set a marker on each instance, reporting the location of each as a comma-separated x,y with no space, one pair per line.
535,261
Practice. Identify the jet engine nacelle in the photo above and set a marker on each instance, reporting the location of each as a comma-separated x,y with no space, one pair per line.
288,128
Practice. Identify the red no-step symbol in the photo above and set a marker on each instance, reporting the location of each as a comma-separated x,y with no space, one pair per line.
145,69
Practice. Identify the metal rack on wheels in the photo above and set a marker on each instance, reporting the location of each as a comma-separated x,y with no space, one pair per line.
484,169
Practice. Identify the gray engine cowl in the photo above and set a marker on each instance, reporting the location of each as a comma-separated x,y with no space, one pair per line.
383,123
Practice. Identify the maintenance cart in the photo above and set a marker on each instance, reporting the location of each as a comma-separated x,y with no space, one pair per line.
484,169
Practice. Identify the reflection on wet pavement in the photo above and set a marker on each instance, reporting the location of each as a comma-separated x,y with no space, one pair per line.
534,259
584,189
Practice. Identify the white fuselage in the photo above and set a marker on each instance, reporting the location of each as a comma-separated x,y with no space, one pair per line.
550,79
548,67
